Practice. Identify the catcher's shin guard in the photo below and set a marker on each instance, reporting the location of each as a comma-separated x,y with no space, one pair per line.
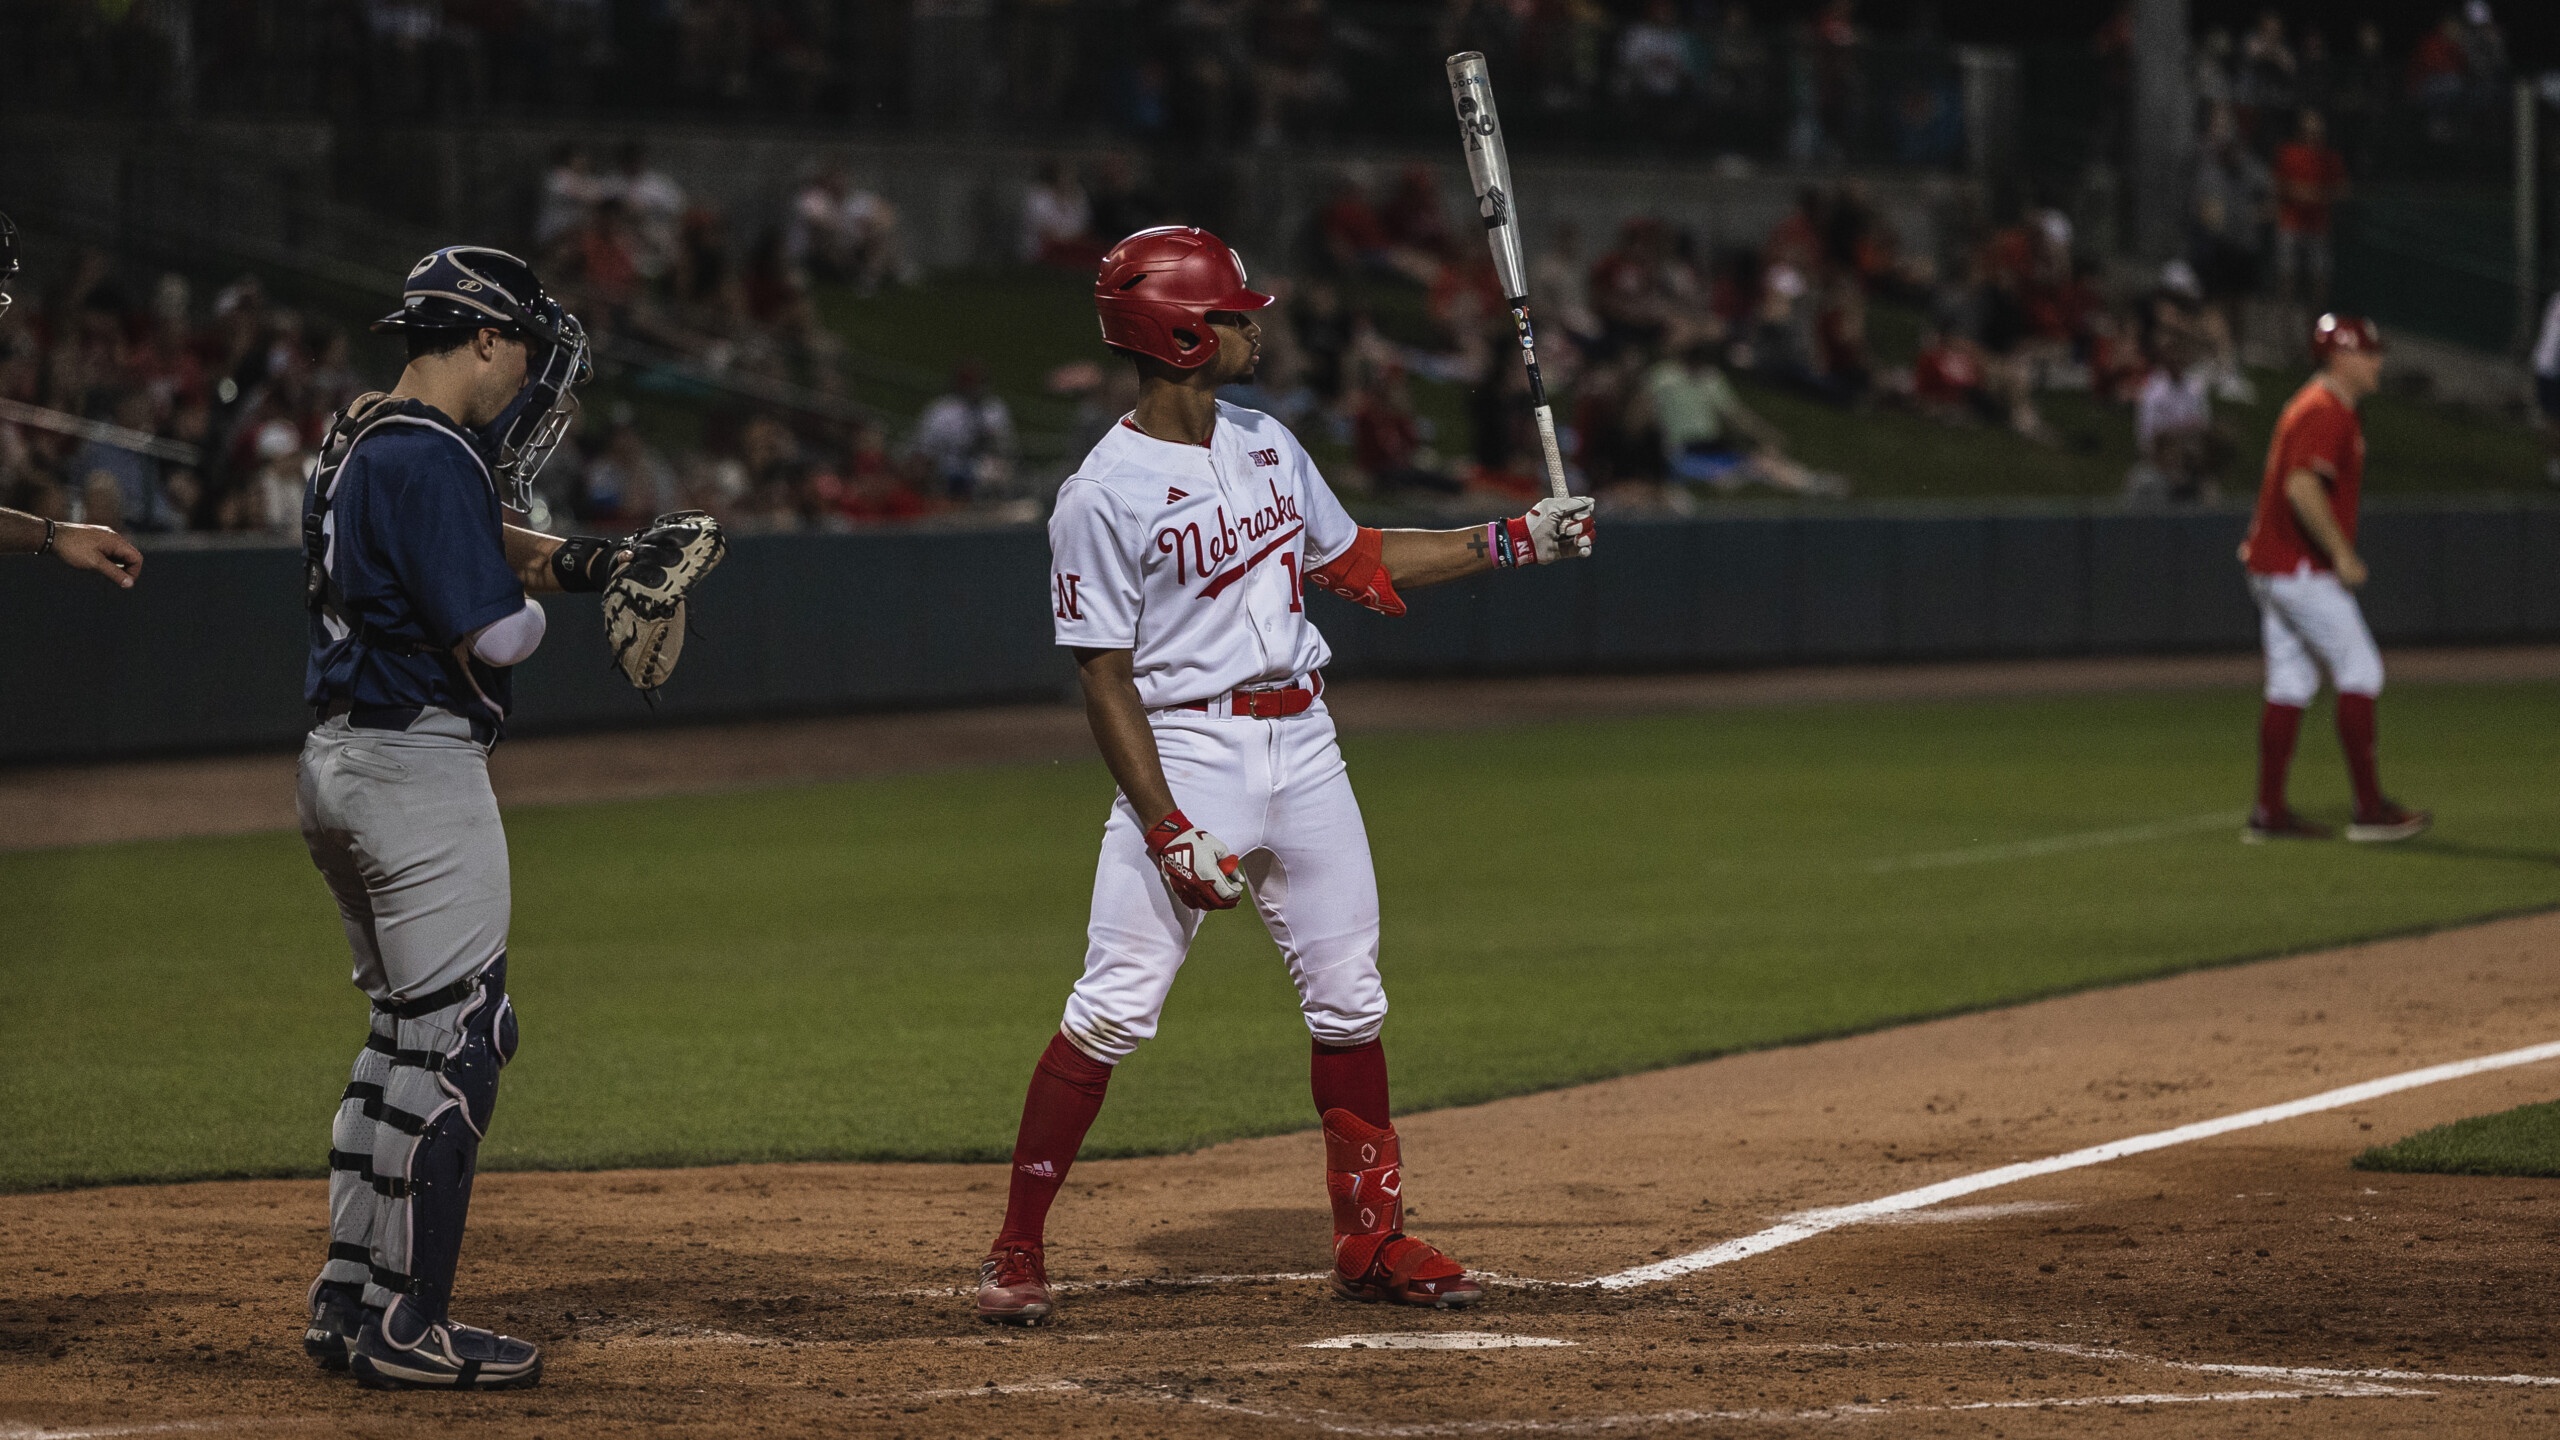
437,1106
355,1205
1373,1259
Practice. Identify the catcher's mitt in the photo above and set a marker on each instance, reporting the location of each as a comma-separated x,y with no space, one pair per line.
644,601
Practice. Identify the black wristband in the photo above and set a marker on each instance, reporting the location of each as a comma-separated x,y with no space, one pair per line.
582,562
47,547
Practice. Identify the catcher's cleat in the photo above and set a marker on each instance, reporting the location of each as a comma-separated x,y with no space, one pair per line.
443,1356
1373,1259
337,1315
2282,825
2391,822
1013,1286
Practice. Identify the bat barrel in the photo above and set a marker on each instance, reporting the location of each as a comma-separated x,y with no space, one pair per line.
1488,166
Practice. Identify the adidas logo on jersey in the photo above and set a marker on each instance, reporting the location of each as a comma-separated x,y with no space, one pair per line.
1173,493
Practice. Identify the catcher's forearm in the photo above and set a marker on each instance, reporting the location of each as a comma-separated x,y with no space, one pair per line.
529,554
1120,731
20,533
1415,558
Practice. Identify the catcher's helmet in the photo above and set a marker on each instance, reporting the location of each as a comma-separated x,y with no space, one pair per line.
8,257
465,287
1156,290
2351,334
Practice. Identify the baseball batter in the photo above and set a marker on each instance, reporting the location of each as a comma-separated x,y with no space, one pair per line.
2303,569
1181,550
417,589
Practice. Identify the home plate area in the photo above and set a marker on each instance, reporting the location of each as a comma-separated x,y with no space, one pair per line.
1878,1234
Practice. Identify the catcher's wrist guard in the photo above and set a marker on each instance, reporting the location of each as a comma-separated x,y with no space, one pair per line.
583,563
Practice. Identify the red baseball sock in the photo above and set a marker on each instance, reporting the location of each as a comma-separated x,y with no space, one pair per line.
1350,1077
2356,736
1066,1093
2277,725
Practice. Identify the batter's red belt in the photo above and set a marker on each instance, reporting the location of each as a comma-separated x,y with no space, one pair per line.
1263,704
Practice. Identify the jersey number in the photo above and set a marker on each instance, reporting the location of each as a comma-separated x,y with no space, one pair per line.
1297,585
1070,607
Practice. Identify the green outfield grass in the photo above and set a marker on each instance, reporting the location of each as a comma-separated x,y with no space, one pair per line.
867,970
2522,1141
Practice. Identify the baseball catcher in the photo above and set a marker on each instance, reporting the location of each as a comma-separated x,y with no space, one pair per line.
1181,550
419,599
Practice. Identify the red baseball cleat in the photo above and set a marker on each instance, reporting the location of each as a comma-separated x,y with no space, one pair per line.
1406,1271
2282,825
2391,822
1013,1286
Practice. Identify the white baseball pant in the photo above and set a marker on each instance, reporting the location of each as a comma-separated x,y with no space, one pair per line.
1275,792
2309,620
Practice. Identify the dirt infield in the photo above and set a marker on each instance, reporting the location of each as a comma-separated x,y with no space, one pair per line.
2238,1285
90,804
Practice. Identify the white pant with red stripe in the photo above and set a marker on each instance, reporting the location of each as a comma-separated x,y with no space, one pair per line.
2309,621
1276,792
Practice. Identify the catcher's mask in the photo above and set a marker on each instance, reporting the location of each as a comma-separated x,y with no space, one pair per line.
473,286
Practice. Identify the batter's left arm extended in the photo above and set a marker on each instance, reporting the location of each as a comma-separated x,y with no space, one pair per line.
1554,530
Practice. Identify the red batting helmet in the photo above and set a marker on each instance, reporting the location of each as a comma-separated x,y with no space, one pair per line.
2352,334
1158,286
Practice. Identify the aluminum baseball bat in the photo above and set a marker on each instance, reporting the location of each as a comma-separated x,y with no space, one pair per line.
1489,170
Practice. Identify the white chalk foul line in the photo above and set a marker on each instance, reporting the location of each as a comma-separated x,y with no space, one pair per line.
1815,1222
1437,1340
2059,844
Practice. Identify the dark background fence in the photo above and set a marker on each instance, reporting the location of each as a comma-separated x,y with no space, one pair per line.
206,654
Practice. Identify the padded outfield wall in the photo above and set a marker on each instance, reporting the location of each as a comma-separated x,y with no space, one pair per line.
206,654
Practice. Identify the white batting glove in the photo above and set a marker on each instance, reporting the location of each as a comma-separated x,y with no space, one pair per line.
1552,530
1197,869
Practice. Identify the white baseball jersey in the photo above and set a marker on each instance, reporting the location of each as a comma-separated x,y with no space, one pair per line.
1195,556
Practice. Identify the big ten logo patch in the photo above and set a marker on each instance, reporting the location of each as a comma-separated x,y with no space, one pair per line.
1265,457
1070,605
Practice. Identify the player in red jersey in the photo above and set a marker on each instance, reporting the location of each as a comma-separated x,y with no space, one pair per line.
2301,554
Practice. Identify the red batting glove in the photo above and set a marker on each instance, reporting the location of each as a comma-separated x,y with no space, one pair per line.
1197,869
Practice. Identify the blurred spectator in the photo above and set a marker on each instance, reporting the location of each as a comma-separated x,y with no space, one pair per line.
2181,453
99,468
1390,442
2440,76
653,204
872,490
1657,74
272,501
1057,220
2546,386
839,233
1562,283
2269,70
629,482
1122,206
568,191
967,436
2310,178
2232,199
1642,286
1709,437
1296,85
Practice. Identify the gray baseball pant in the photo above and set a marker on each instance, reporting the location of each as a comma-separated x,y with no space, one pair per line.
405,830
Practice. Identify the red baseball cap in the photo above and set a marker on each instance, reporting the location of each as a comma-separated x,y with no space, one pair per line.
2334,333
